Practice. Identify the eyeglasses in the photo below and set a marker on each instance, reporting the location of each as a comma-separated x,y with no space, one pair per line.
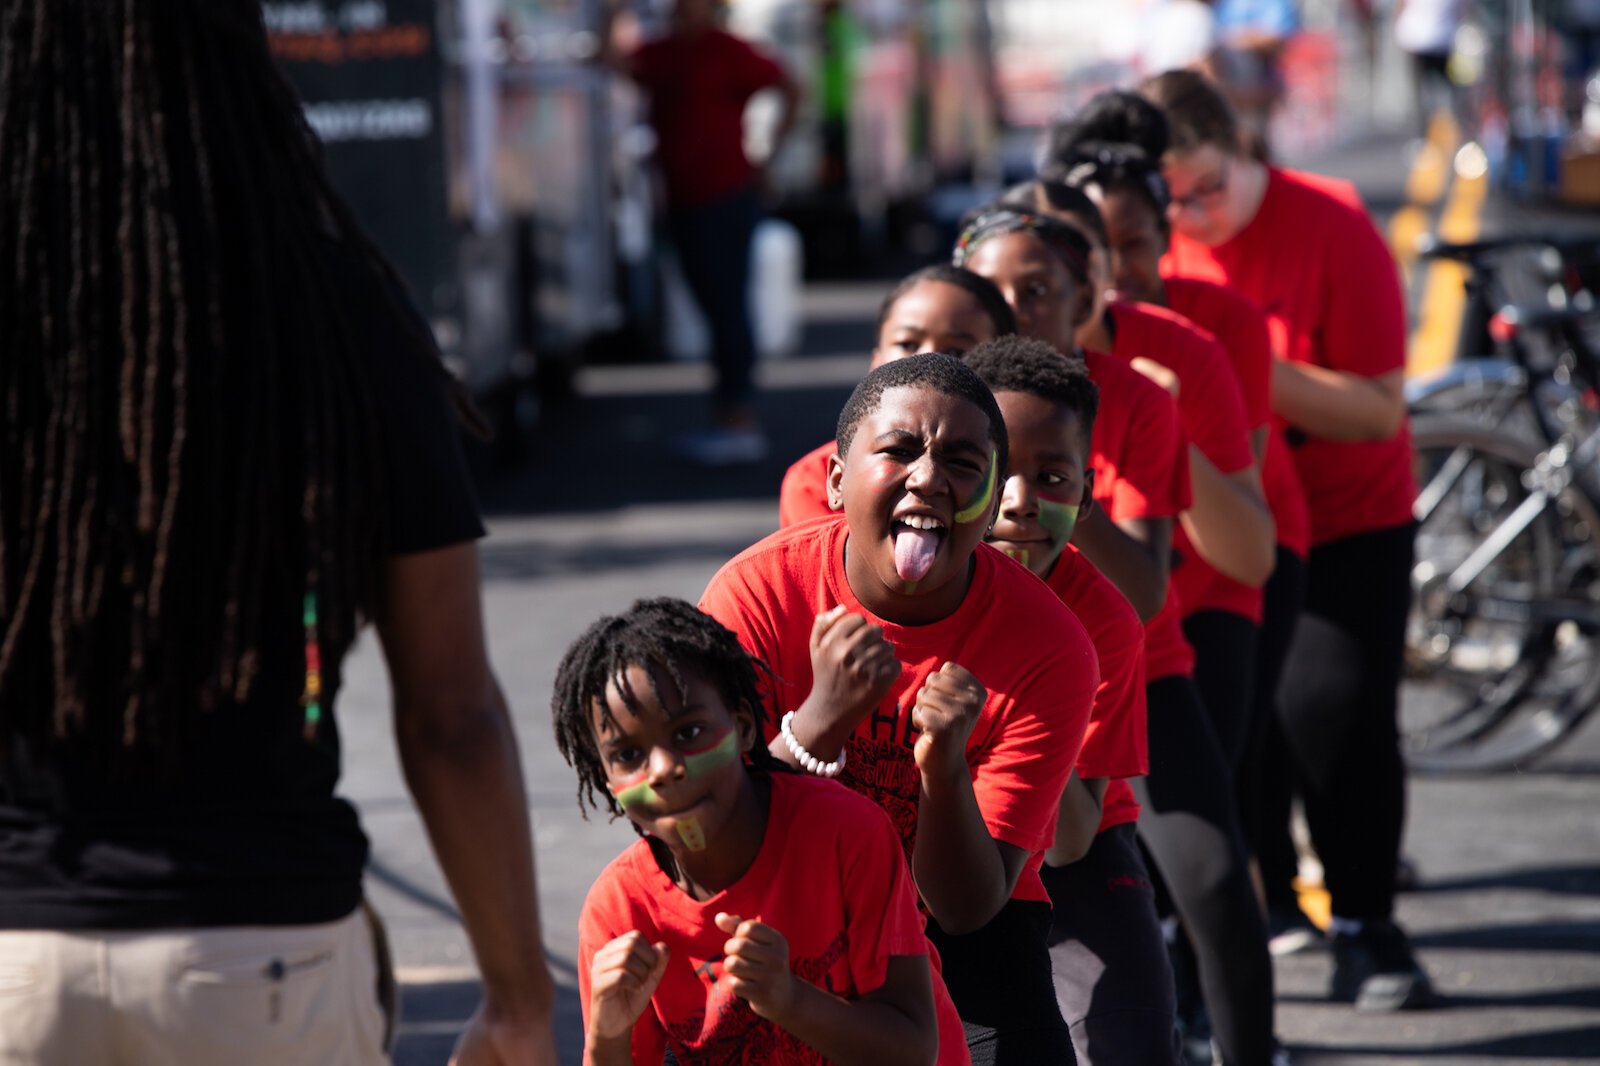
1205,199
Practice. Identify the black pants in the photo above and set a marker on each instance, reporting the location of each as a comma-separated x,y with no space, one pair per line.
1265,787
1340,700
1191,829
1113,981
1225,673
713,243
999,979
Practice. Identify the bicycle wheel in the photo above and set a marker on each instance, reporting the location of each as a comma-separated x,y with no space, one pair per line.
1502,668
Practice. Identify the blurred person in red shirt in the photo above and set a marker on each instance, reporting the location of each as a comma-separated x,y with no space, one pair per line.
699,79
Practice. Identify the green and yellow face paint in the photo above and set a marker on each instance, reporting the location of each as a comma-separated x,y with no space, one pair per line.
979,507
706,756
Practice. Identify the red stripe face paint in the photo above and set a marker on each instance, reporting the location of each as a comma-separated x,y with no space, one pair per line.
717,752
635,790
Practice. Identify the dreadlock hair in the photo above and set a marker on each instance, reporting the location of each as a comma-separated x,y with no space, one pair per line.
1196,111
977,286
1022,364
187,429
663,635
1115,116
1117,168
944,374
1050,196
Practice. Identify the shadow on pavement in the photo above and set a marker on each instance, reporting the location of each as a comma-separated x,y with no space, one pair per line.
1562,880
529,559
1576,937
431,1016
1577,1044
597,453
1572,998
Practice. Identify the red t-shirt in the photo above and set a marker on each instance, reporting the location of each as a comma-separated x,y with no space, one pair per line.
1212,410
1240,325
828,876
698,89
1236,321
804,493
1010,632
1116,744
1141,470
1321,271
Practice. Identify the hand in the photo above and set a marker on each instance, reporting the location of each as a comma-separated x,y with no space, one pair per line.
756,962
946,710
1156,373
488,1041
852,668
622,978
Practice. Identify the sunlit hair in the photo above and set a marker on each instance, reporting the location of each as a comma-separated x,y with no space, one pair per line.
665,635
980,288
943,373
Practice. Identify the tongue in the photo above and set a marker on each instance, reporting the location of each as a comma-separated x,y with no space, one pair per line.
914,550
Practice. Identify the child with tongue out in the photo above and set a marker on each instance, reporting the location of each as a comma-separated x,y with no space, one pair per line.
926,670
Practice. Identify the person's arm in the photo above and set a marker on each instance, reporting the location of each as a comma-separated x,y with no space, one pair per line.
1337,405
1134,553
1229,523
964,874
1082,804
853,666
788,112
892,1025
459,756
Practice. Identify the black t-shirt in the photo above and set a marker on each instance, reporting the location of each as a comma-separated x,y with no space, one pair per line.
249,832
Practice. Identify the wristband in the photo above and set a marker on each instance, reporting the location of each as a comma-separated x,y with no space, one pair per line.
812,764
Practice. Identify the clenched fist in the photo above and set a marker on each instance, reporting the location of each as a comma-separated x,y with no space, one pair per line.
853,666
946,710
756,962
622,978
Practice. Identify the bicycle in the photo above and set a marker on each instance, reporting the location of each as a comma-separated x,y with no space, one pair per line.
1500,655
1504,636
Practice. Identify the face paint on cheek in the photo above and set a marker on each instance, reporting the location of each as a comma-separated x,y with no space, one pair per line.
1059,520
979,507
714,756
635,791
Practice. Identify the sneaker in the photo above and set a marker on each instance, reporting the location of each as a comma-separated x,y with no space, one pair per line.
722,446
1280,1055
1375,970
1289,931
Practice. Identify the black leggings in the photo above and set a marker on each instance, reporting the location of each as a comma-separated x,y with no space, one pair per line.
999,979
1192,831
1113,981
1225,673
1265,786
1340,698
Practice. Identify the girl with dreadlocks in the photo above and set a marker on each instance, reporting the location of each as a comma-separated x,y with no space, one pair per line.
227,441
764,916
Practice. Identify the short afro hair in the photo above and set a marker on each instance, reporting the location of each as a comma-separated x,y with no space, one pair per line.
942,373
1032,367
977,286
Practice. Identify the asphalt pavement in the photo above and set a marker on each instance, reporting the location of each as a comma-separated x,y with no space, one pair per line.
1507,917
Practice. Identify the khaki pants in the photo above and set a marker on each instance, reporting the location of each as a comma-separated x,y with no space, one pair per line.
304,994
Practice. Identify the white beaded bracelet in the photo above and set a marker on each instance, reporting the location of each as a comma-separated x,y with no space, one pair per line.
812,764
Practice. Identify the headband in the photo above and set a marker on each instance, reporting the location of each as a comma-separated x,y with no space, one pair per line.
1069,245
